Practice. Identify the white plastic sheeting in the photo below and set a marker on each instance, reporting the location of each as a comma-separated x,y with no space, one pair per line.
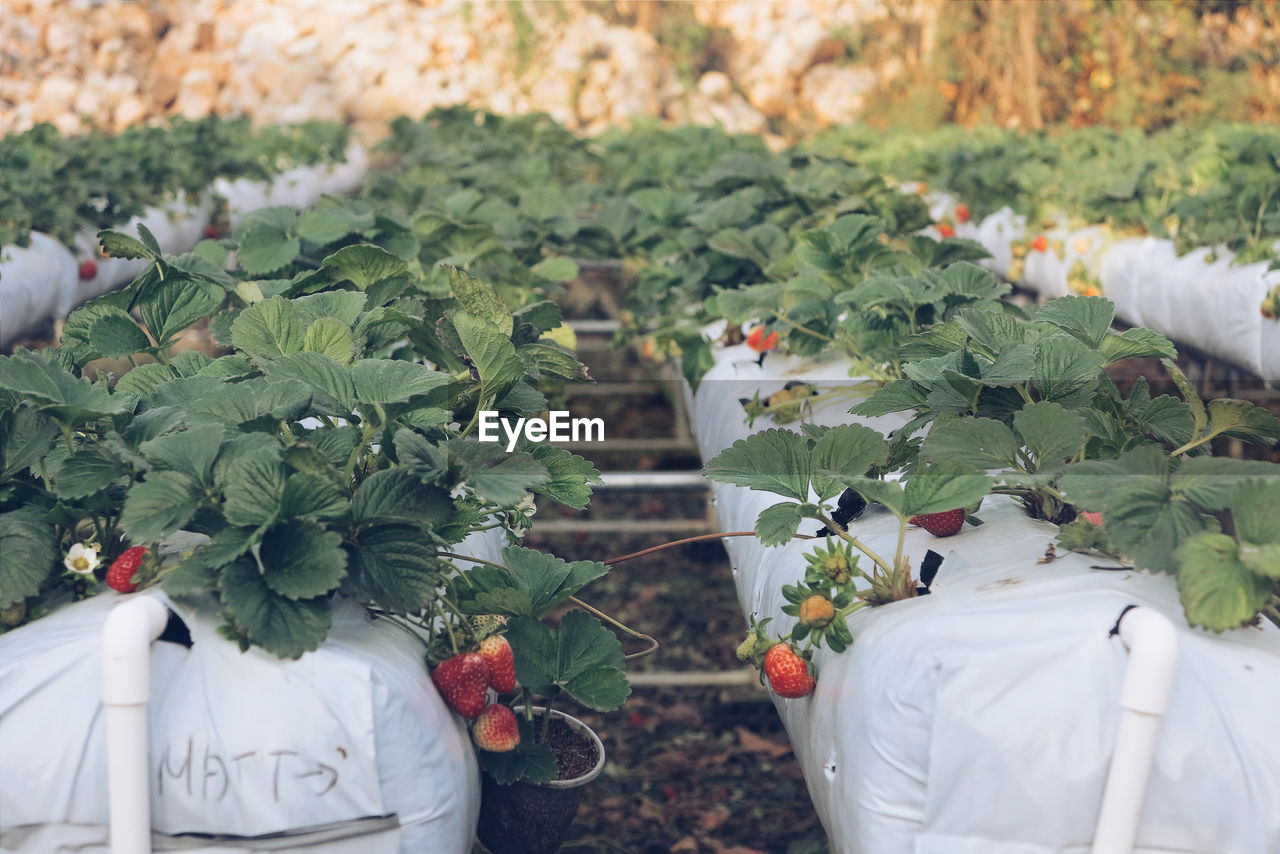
347,750
1201,298
41,281
981,719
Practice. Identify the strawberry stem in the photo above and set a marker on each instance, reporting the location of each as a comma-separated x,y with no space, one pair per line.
855,542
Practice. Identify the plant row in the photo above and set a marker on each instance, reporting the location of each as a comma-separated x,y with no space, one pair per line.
61,185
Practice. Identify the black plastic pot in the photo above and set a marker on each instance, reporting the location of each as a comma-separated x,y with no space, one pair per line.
533,818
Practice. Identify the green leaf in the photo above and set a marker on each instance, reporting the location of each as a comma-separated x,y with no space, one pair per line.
25,437
395,566
278,624
301,560
330,337
1218,591
771,461
28,554
888,493
321,373
893,396
1137,343
392,380
191,451
547,579
555,268
87,471
778,524
1256,512
119,245
1065,368
531,761
50,389
310,495
478,298
158,506
554,360
492,353
1051,432
266,248
591,663
1242,420
1087,319
849,449
938,489
364,265
114,335
569,476
343,306
1148,523
174,304
395,495
494,474
268,329
327,224
253,487
978,443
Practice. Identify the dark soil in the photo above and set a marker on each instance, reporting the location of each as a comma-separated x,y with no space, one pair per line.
575,753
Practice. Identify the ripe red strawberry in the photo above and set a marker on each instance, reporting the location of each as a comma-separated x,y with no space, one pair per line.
496,729
501,662
788,673
758,341
121,571
1092,517
211,232
941,524
463,681
962,213
88,269
1040,244
945,229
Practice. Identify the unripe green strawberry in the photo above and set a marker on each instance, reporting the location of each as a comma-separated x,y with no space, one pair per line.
788,673
120,573
496,729
817,611
501,661
463,682
941,524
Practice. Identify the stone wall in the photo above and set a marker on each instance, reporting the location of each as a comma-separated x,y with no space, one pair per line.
112,63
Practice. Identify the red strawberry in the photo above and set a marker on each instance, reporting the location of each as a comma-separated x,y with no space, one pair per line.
941,524
496,729
758,341
501,662
945,229
120,573
1040,244
88,269
463,681
1092,517
211,232
962,213
788,673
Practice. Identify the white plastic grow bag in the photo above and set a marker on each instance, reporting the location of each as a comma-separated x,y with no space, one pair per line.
34,280
347,749
1201,298
981,719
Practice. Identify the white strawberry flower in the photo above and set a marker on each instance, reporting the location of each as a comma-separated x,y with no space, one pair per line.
81,559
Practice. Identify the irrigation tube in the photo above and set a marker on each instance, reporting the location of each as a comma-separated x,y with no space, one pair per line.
1148,681
127,634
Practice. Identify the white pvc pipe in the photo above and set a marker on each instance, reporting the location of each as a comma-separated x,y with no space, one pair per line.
127,634
1148,681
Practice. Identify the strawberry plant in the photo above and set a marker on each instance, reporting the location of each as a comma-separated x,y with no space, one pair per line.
318,456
